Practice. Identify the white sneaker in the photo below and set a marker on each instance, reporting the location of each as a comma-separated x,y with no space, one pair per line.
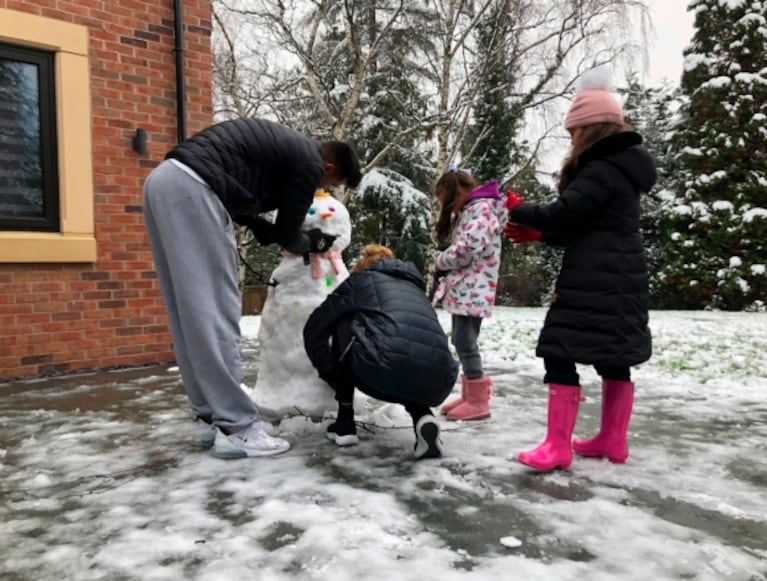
204,434
427,441
251,442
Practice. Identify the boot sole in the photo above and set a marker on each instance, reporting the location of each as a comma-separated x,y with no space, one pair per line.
428,435
599,453
470,418
541,468
612,459
348,440
546,468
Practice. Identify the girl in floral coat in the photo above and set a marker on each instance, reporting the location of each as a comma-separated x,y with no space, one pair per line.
471,220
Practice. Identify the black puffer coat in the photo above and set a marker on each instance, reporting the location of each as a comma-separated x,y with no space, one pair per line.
599,312
256,166
397,347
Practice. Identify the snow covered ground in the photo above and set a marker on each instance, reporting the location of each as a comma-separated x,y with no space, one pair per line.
98,481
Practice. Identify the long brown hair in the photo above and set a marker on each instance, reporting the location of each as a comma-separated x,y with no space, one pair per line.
451,191
588,136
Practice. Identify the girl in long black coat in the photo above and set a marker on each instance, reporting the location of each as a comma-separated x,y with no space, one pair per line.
599,311
377,331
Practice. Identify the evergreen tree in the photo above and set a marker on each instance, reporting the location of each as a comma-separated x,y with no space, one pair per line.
716,222
389,210
650,110
487,148
528,271
390,98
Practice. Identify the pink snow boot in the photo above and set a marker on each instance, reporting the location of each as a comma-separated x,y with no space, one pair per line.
612,439
476,406
556,451
455,402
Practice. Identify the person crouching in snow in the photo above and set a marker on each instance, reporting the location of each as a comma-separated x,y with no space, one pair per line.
471,219
599,312
378,332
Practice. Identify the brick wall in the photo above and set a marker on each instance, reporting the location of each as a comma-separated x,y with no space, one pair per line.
59,318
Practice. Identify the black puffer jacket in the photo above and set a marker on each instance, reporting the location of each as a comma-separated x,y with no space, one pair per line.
397,347
599,312
256,166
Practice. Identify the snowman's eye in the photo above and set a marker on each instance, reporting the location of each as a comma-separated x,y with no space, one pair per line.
332,209
312,210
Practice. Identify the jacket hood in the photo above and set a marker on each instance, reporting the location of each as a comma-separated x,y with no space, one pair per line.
486,190
399,269
491,194
625,150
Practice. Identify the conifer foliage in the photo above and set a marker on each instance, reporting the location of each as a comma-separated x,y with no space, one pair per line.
716,218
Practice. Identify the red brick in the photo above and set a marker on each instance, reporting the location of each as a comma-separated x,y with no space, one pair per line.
64,317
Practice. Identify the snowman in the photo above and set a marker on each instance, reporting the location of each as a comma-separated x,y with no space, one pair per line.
287,381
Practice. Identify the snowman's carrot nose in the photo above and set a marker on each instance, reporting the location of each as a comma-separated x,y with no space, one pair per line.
326,215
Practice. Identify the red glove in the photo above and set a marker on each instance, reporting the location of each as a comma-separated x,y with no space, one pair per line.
512,200
520,234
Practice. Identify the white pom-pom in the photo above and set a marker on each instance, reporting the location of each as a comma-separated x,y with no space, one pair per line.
596,78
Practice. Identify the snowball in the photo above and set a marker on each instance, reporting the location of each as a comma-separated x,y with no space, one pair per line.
511,542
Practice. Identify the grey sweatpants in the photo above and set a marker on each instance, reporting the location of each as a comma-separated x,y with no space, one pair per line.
195,256
465,334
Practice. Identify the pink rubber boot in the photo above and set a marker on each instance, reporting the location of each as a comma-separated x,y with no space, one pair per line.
556,450
612,439
476,406
455,402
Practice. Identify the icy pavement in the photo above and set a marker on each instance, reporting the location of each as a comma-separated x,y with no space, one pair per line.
98,480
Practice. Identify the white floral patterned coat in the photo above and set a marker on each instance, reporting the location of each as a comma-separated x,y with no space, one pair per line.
473,258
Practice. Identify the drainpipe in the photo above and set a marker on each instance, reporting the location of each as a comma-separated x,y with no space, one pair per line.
180,87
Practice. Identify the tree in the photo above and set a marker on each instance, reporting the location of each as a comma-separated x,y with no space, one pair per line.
528,271
652,112
390,210
415,67
415,84
715,223
493,131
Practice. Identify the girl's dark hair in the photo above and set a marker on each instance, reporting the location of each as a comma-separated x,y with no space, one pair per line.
587,137
451,191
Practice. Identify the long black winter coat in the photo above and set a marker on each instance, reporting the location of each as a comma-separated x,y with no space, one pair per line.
599,312
256,166
397,347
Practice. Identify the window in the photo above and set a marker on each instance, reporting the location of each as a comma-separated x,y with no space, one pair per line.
46,206
29,197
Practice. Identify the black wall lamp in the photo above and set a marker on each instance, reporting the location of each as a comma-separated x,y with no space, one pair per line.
139,141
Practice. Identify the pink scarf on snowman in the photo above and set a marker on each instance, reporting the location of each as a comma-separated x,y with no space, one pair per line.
315,259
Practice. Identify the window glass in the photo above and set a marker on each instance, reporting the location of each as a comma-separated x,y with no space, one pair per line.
28,181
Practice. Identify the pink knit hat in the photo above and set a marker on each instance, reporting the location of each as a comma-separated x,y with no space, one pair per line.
593,103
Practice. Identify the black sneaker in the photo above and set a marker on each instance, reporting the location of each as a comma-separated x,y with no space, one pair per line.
427,441
343,432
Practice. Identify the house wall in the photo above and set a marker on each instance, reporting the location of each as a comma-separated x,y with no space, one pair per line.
87,297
